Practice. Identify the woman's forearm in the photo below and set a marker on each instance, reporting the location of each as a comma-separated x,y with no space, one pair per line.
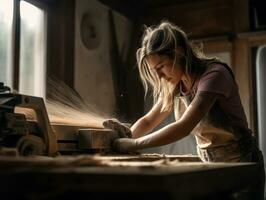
148,122
198,108
141,127
166,135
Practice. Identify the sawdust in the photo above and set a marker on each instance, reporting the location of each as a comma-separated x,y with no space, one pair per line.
7,162
65,106
151,161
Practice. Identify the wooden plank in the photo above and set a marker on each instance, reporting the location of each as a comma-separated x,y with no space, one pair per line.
242,74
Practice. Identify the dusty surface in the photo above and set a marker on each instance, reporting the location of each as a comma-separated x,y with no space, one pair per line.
120,177
137,161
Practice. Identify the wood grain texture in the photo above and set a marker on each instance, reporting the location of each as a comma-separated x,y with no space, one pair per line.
62,178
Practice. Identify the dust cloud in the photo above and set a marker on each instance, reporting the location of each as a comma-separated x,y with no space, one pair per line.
65,106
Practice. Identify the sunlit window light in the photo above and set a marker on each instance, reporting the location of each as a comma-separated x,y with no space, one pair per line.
6,21
32,50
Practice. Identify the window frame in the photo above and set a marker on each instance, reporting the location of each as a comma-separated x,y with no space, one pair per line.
16,36
59,39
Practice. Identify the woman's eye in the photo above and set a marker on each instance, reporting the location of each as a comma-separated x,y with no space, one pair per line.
160,67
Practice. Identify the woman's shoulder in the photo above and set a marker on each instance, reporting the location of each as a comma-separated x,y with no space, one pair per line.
216,79
220,68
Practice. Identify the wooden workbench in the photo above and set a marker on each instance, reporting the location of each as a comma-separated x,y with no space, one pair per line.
121,177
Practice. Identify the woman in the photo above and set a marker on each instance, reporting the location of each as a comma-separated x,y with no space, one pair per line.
201,91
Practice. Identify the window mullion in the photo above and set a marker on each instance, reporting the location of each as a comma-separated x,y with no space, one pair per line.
16,43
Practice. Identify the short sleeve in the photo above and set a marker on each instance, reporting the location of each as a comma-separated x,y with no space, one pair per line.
216,80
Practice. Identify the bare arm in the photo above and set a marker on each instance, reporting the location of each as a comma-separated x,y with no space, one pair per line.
198,108
153,118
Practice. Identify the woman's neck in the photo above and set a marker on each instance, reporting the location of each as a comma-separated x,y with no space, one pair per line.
186,84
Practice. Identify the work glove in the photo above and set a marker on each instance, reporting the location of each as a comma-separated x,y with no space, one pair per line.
122,130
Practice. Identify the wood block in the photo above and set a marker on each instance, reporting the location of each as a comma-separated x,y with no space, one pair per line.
96,138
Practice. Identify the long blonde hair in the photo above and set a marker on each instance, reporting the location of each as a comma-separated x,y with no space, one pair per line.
168,39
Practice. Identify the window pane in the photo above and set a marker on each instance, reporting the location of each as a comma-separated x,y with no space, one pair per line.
6,18
32,50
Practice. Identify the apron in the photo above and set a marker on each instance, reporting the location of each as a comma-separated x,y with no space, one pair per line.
219,145
216,144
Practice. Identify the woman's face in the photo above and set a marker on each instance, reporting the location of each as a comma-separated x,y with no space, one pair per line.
163,66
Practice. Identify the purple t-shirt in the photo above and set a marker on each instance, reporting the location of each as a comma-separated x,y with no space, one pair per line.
219,134
227,112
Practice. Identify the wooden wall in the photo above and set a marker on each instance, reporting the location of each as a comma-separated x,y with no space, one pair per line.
205,18
60,46
245,72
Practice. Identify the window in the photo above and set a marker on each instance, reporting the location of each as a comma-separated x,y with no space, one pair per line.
260,63
6,18
32,50
28,75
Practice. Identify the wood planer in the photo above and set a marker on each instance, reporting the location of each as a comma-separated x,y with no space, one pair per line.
39,137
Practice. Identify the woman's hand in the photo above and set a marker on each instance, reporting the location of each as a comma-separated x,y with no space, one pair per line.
122,130
125,145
